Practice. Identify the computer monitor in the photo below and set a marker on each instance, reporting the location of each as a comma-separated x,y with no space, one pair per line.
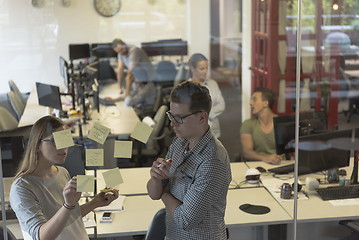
316,154
49,95
64,71
103,50
284,128
79,51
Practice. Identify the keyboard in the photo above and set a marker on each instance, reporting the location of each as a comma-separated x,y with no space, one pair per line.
338,192
288,169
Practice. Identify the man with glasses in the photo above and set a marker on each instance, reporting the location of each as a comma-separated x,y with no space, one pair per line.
193,180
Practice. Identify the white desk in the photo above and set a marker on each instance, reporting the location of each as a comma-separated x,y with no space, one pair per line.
135,179
257,196
134,220
121,119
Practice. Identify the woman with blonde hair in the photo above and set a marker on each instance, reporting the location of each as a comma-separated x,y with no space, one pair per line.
198,69
43,195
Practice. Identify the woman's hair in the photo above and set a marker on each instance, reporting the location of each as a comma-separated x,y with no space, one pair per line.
193,61
193,93
43,127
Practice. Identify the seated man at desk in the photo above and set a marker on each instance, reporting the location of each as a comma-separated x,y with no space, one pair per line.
193,181
257,133
131,56
142,93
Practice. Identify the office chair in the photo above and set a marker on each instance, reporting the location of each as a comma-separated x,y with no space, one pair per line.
10,235
16,104
7,120
157,228
15,89
166,73
153,147
74,162
353,225
155,143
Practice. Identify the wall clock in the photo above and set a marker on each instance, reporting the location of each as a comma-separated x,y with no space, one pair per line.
107,8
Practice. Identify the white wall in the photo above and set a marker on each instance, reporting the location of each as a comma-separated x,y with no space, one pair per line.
32,39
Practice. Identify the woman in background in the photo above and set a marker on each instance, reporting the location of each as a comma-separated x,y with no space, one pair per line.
198,69
43,196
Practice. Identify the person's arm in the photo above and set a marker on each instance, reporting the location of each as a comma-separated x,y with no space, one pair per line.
54,226
100,200
169,201
209,186
120,66
218,104
248,152
129,79
159,172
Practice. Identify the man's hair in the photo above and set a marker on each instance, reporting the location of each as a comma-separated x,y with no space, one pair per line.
193,93
267,95
116,42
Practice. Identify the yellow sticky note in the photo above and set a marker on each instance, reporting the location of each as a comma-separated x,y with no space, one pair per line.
94,157
142,132
123,149
112,177
85,183
99,133
63,139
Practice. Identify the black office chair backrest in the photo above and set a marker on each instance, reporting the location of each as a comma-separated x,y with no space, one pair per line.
10,235
157,229
166,71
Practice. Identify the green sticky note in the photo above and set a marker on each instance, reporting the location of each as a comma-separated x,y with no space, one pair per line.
99,133
123,149
112,177
63,139
85,183
142,132
94,157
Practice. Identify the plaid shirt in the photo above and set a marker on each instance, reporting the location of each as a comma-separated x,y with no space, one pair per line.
200,181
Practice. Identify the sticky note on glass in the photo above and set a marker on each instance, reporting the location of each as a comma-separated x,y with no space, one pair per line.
63,139
99,133
85,183
142,132
94,157
123,149
112,177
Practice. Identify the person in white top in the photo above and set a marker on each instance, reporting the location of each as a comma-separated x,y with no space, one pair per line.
198,69
43,195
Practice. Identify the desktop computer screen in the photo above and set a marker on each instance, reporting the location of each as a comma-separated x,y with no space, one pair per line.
284,128
49,95
79,51
103,50
315,153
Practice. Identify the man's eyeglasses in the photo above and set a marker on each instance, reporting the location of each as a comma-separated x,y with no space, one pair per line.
179,119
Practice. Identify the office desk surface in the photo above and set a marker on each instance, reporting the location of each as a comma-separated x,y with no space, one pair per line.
313,208
256,196
135,219
135,179
121,119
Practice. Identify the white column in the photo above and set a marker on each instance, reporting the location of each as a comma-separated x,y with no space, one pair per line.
246,59
198,27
